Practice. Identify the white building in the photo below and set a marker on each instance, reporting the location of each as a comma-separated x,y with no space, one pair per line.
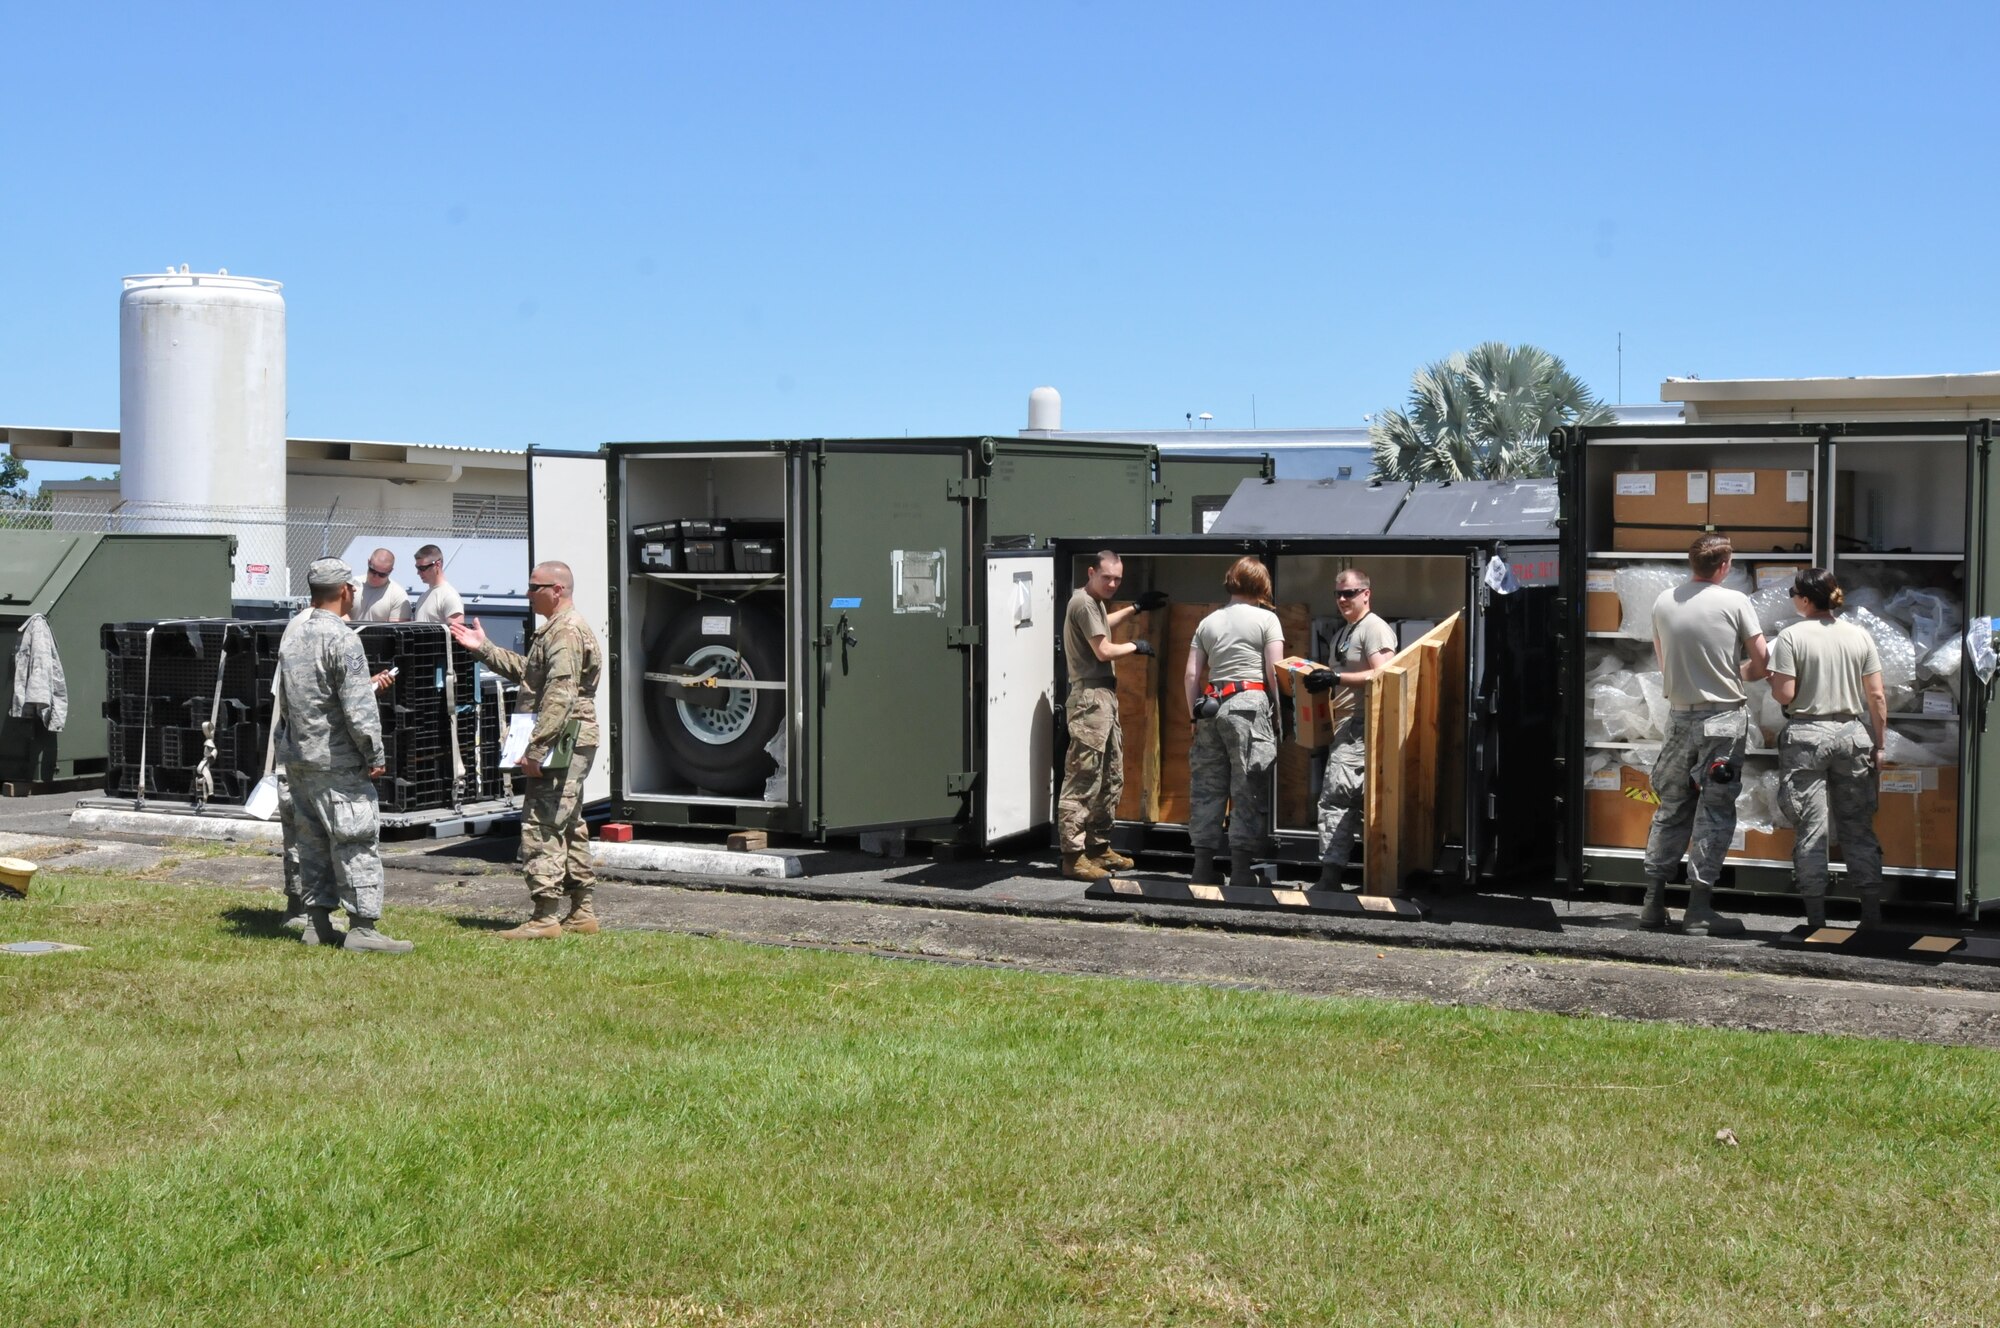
336,489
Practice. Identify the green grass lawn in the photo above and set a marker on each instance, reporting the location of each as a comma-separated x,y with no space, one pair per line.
200,1124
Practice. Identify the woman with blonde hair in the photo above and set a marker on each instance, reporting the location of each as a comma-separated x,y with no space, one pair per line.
1232,674
1827,674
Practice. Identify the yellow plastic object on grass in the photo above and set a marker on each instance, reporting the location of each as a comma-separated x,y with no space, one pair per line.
15,873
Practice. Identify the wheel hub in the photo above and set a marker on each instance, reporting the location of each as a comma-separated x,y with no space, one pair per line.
718,725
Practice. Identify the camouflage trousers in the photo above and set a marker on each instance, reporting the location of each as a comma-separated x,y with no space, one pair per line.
1826,770
1340,805
1697,821
295,895
1093,770
1230,765
336,817
555,839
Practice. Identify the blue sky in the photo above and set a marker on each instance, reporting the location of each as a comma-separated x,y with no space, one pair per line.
508,224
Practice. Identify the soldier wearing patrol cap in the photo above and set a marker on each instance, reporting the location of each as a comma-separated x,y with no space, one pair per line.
330,740
558,678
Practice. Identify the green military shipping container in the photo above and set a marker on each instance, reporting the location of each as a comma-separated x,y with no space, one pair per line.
78,582
794,628
1900,512
1193,490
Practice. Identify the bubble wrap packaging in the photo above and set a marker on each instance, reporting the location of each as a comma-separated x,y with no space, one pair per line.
1638,586
1774,609
1899,656
1757,801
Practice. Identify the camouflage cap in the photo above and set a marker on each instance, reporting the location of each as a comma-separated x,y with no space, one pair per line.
328,573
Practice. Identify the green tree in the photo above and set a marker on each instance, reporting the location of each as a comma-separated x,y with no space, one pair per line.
1483,414
13,476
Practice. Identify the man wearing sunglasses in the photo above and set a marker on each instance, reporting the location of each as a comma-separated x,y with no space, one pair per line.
1363,646
382,600
558,678
441,603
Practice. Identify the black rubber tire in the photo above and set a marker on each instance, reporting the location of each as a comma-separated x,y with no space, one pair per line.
736,768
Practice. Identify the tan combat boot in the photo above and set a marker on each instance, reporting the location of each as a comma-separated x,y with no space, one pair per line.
543,926
582,919
1079,868
1111,859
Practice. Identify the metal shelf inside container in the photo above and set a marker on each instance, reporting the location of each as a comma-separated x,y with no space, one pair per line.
1732,859
1615,636
1635,746
760,578
1656,556
1899,557
1920,715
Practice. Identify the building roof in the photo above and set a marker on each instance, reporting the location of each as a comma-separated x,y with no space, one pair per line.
351,457
1882,397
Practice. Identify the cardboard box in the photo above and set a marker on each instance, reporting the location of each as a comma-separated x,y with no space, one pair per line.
1776,574
1654,539
1917,817
1660,498
1775,846
1749,544
1603,611
1760,499
1618,807
1312,713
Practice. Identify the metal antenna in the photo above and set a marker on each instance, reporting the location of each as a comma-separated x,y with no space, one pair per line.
1621,368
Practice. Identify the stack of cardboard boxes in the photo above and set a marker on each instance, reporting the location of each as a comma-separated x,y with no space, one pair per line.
1663,511
1916,818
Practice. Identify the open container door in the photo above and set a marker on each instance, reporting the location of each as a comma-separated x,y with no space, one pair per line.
567,521
1978,834
1018,776
891,636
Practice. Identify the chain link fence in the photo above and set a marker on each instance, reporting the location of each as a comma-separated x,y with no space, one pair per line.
284,536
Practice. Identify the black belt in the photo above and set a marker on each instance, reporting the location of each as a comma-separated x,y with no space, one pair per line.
1093,682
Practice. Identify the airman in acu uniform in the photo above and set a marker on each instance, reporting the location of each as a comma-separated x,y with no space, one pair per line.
558,678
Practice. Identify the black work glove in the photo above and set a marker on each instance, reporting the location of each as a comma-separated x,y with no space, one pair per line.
1319,681
1152,599
1143,648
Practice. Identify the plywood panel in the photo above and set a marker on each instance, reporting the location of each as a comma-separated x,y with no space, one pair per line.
1182,620
1294,809
1139,715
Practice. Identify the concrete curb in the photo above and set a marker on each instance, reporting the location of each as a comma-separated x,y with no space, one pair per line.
693,860
239,829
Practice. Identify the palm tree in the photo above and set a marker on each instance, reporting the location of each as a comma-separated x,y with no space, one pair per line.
1483,414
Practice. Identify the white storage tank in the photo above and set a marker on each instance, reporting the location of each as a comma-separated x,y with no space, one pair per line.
201,376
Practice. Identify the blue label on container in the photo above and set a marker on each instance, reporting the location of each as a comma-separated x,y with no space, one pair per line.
845,602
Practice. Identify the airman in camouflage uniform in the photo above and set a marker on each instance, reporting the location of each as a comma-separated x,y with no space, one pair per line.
1709,644
1827,673
1094,764
1233,662
1361,649
558,678
330,739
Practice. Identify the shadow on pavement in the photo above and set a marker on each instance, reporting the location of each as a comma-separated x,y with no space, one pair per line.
970,875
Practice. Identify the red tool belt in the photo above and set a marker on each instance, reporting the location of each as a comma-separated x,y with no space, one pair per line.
1226,690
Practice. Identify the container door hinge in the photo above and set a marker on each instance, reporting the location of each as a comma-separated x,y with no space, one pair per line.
961,782
1157,492
961,637
964,490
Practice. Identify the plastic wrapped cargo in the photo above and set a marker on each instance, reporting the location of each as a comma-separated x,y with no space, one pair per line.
1638,586
1899,656
1775,610
1932,615
1942,664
